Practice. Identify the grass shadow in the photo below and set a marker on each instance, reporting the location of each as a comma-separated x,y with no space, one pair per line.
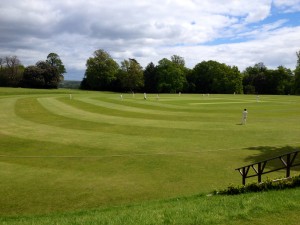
268,152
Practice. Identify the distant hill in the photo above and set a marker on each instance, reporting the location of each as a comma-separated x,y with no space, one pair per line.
71,84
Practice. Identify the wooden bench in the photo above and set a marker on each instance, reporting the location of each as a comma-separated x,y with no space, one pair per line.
259,168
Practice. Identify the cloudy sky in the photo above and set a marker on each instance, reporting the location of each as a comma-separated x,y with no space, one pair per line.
235,32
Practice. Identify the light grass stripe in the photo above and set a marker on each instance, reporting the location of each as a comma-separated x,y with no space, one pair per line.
165,101
12,125
59,108
123,107
154,102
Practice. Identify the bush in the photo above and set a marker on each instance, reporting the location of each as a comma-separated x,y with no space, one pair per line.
279,184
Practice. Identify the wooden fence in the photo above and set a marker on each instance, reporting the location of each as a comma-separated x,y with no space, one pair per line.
259,168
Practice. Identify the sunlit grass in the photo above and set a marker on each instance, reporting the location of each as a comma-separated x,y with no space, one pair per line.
276,207
62,153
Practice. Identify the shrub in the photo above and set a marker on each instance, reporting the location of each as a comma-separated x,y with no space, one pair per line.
267,185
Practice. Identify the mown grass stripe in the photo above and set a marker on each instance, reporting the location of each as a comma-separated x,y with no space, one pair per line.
18,127
123,107
55,106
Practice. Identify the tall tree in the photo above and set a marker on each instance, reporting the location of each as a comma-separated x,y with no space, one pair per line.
255,79
297,75
50,74
262,80
101,71
214,77
178,60
233,80
282,80
54,60
42,75
171,76
150,78
131,75
33,77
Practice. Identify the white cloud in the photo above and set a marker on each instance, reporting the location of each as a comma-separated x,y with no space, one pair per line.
288,5
274,49
147,30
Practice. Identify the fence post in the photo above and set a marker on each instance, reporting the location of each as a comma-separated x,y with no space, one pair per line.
244,175
288,165
259,172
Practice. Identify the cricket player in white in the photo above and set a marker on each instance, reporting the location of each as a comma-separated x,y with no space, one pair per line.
244,118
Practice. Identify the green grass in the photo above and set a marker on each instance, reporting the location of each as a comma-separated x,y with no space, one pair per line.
268,208
95,151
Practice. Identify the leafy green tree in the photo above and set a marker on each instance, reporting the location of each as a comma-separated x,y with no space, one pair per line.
191,86
267,81
171,76
178,60
297,75
180,63
214,77
200,78
54,60
50,74
131,76
255,79
33,77
282,81
101,71
42,75
233,80
150,78
297,81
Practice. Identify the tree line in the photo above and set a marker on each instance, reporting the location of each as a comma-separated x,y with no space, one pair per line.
171,76
44,74
103,73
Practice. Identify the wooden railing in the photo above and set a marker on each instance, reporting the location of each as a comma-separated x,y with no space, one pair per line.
287,160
